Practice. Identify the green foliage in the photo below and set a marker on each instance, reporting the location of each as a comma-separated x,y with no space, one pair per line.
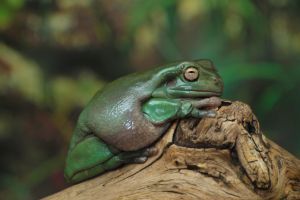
54,55
8,9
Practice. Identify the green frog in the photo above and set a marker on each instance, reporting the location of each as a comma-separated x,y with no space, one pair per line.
124,119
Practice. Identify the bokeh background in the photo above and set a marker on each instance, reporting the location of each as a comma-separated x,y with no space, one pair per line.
55,54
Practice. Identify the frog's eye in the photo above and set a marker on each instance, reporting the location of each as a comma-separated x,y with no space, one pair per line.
191,74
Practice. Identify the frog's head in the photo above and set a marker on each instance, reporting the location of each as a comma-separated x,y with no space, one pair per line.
198,79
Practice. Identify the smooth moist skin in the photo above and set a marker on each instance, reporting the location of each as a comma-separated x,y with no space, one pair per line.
132,112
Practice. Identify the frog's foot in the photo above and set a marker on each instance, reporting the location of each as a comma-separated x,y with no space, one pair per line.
203,113
208,103
200,108
146,153
139,156
150,151
140,160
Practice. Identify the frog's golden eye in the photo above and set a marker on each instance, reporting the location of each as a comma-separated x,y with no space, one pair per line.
191,74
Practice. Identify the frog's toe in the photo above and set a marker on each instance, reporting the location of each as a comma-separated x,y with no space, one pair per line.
211,114
203,113
211,102
151,151
140,160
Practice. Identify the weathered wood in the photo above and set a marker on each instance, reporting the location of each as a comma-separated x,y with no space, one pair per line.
226,157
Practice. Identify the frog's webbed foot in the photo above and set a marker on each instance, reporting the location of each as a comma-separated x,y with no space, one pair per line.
150,151
139,156
140,160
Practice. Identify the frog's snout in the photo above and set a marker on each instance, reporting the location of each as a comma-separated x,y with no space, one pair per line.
218,82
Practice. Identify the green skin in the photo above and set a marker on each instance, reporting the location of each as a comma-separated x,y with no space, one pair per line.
132,112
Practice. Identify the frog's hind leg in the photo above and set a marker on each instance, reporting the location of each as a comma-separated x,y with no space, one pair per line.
92,156
86,159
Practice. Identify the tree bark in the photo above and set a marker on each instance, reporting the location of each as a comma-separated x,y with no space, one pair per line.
226,157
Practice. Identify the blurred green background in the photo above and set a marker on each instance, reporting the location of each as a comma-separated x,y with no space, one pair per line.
55,54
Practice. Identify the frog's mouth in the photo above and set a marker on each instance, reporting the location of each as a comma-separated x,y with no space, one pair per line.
194,93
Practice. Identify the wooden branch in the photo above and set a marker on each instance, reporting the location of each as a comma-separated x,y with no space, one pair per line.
226,157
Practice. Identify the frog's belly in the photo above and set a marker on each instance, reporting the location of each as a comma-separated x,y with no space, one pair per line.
133,133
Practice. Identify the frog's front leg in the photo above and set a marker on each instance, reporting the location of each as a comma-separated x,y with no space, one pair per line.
163,75
192,108
160,111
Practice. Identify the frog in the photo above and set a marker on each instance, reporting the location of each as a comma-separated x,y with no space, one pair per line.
123,120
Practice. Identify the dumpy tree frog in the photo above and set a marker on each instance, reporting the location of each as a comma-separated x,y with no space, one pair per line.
121,121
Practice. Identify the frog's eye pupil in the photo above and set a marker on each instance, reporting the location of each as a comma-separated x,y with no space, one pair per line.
191,74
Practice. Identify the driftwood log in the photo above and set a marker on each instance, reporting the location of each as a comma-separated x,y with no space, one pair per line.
226,157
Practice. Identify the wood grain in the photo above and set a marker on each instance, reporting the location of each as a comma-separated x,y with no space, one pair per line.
226,157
